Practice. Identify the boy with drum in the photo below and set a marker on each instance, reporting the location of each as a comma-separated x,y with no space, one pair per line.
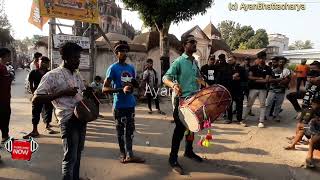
184,78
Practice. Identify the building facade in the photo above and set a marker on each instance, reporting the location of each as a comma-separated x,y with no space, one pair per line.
280,41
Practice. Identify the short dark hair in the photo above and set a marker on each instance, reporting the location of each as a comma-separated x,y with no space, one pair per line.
69,47
120,45
283,58
4,52
149,60
97,78
185,38
247,58
315,63
212,56
262,55
37,55
222,57
45,58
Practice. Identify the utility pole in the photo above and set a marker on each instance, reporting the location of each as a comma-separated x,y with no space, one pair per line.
92,52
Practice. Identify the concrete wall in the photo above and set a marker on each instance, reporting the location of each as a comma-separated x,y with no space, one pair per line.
155,55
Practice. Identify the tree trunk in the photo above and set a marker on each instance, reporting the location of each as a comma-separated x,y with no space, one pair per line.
164,48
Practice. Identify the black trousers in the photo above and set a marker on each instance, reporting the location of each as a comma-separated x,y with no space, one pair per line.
299,80
150,97
37,110
178,133
238,99
5,112
293,98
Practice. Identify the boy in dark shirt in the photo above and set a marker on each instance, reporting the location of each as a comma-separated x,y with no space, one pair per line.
259,76
34,81
208,70
5,93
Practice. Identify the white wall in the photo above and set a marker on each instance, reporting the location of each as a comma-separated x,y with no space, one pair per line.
154,54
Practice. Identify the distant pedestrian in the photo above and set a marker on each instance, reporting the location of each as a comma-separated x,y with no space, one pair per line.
35,62
301,71
34,81
208,70
5,94
151,89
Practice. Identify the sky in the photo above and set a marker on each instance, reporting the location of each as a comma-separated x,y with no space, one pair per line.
296,25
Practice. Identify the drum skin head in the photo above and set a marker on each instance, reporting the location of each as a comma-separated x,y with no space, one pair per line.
189,119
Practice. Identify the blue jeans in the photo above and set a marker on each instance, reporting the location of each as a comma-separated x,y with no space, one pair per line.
73,134
125,127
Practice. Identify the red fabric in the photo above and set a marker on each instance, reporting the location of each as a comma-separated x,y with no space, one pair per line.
5,83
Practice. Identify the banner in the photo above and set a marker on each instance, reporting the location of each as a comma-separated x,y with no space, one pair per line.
59,40
80,10
35,18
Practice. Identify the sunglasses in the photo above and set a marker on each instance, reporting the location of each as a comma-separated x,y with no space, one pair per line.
192,41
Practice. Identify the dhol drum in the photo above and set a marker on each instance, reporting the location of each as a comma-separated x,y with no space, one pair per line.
204,107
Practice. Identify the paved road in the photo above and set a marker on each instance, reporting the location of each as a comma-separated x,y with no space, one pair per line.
236,153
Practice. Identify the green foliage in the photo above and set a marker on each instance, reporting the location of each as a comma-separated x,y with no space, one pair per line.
242,37
297,45
292,67
160,12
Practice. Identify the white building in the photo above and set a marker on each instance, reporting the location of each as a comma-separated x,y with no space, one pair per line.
279,40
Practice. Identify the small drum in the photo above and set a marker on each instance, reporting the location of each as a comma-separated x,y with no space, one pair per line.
206,105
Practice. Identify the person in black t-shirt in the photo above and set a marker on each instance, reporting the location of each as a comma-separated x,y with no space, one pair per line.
238,76
208,70
34,80
223,72
259,75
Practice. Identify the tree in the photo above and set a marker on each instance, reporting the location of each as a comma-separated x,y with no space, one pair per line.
161,13
297,45
259,40
242,37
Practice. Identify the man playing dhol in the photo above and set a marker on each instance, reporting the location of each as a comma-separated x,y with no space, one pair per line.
120,81
184,78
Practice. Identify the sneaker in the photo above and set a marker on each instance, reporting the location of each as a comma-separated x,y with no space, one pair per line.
227,122
261,125
242,123
193,156
277,119
176,167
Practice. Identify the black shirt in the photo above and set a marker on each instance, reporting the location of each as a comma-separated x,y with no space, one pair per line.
259,71
35,78
224,75
209,73
237,84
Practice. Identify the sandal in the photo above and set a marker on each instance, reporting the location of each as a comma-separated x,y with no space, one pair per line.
150,112
134,160
161,112
32,134
122,158
50,131
309,163
290,138
289,148
4,140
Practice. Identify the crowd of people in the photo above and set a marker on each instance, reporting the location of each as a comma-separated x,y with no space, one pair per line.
60,89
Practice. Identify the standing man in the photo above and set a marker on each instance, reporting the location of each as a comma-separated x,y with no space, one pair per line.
312,85
34,81
259,76
63,86
279,84
120,81
208,70
35,63
238,75
301,71
151,80
5,94
184,78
